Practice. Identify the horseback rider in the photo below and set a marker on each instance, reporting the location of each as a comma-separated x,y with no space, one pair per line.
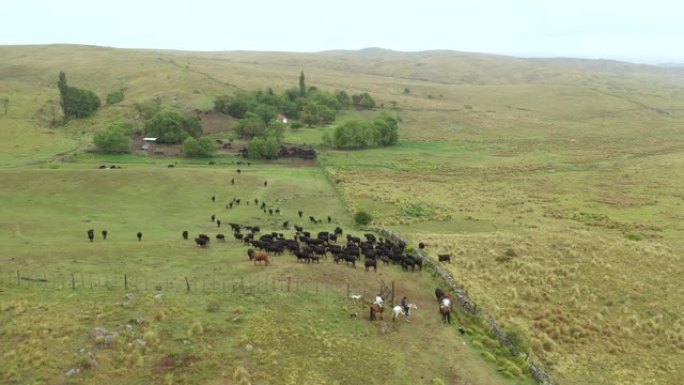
404,305
446,301
379,300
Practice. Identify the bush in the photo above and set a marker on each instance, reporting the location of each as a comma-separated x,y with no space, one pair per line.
115,97
362,218
199,147
382,131
170,126
113,140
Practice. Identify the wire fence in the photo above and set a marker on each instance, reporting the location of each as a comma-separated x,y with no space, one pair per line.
192,284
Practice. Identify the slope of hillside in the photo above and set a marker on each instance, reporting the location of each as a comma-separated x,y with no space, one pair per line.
572,165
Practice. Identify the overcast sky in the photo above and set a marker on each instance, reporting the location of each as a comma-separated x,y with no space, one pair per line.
633,30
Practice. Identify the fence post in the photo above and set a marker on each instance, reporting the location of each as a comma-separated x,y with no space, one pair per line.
392,299
125,281
73,282
187,285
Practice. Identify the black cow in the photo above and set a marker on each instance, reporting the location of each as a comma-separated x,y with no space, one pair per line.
213,217
444,257
265,183
371,263
302,256
286,224
213,198
91,234
421,245
439,293
300,213
185,234
232,181
139,235
218,223
220,237
104,234
201,242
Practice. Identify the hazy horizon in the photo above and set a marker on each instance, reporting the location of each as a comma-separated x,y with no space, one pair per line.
640,32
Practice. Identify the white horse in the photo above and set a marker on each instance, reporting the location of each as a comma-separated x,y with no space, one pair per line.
397,310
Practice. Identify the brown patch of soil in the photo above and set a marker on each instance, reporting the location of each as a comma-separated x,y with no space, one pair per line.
169,363
215,122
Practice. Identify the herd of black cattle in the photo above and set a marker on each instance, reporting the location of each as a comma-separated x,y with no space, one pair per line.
347,249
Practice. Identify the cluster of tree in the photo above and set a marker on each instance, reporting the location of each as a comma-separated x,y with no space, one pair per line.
76,102
170,126
309,105
381,131
115,139
266,148
202,146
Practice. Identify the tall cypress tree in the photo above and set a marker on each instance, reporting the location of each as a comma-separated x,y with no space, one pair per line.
302,86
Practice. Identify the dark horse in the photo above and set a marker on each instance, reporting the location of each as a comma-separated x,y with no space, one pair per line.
445,311
375,309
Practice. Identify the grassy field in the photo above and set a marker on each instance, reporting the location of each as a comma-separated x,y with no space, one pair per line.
556,185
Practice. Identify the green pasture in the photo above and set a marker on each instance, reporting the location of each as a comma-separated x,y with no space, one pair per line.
58,287
555,184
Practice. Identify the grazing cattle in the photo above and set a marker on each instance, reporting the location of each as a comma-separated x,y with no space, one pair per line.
218,223
286,224
232,181
312,219
171,166
104,234
329,219
91,234
371,263
220,237
211,163
213,198
444,257
421,245
238,171
338,230
185,235
201,242
102,166
139,235
302,256
300,213
265,183
258,256
238,236
213,217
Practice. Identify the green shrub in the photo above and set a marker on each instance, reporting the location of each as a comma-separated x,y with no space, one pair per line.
170,126
113,140
199,147
362,218
115,97
634,236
